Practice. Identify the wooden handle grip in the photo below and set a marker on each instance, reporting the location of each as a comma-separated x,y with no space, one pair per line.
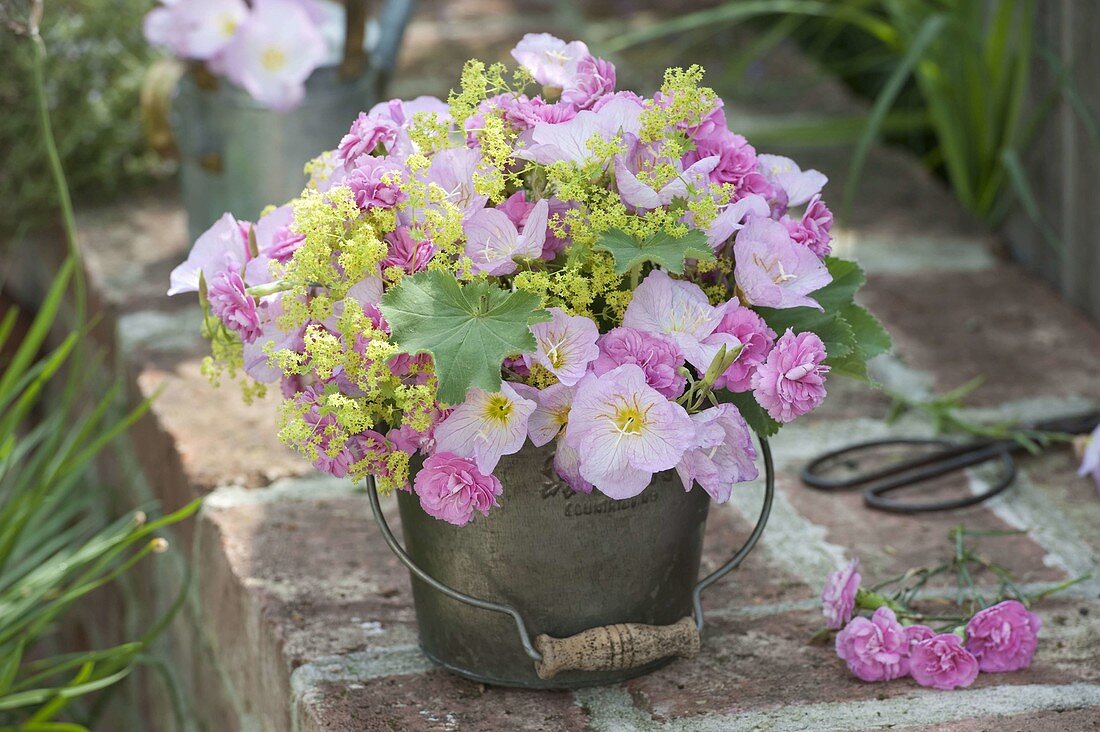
613,647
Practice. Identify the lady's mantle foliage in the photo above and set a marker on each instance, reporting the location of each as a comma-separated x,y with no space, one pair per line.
540,257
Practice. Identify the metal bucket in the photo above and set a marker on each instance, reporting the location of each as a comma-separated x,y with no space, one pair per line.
238,156
610,587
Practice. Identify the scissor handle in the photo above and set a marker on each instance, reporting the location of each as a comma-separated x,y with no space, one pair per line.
874,496
811,474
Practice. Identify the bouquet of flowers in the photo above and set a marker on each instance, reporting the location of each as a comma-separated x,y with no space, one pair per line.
540,258
267,47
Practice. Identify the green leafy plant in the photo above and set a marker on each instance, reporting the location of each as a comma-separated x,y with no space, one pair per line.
659,248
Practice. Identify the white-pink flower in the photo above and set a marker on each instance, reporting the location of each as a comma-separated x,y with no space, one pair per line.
643,196
624,431
195,29
493,241
681,311
566,345
486,426
552,61
569,141
775,271
273,53
730,219
799,185
722,454
552,413
217,247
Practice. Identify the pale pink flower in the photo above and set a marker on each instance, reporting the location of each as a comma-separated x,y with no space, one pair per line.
874,649
680,310
722,454
1090,461
756,339
791,381
195,29
552,61
275,237
274,51
551,413
732,218
453,171
838,597
567,464
376,183
566,345
452,488
369,134
800,186
407,252
493,241
592,79
569,141
486,426
942,663
215,247
774,271
401,111
1003,637
658,356
643,197
625,431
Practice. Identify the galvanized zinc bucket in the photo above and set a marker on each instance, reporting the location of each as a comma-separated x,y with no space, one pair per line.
238,156
607,589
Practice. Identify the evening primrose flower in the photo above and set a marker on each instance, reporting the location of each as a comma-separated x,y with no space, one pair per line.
680,310
722,454
551,61
569,141
552,413
493,241
196,29
486,426
799,185
566,345
775,271
625,431
221,244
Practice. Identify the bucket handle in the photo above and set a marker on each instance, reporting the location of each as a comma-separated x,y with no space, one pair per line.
607,647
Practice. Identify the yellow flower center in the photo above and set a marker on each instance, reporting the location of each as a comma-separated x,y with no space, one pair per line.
273,59
229,25
498,408
629,419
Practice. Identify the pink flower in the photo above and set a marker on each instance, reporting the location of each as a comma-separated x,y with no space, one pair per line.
791,381
486,426
551,413
731,218
567,464
493,242
658,356
196,29
722,454
566,345
784,173
375,183
569,141
757,340
517,208
401,112
453,171
406,252
1090,461
221,243
681,311
736,157
232,305
593,79
273,53
452,488
773,270
942,663
643,196
873,649
523,113
838,597
1003,637
625,431
552,61
367,133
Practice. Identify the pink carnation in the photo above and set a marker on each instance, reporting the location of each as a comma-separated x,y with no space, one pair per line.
451,488
1003,637
791,381
406,252
942,663
814,227
874,649
736,160
232,305
756,337
594,78
838,597
366,134
375,183
658,356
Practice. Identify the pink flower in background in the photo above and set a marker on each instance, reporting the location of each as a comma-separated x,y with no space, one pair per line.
406,252
366,135
593,79
566,345
453,489
791,381
874,649
799,185
942,663
774,271
376,183
722,454
757,340
232,305
680,310
625,431
552,61
838,597
658,356
1003,637
1090,460
216,246
195,29
493,241
486,426
402,112
273,53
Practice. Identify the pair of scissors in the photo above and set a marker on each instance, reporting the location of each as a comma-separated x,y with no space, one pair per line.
942,457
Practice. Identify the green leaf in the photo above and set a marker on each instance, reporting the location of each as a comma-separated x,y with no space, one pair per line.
468,329
847,277
754,414
834,331
871,338
661,249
